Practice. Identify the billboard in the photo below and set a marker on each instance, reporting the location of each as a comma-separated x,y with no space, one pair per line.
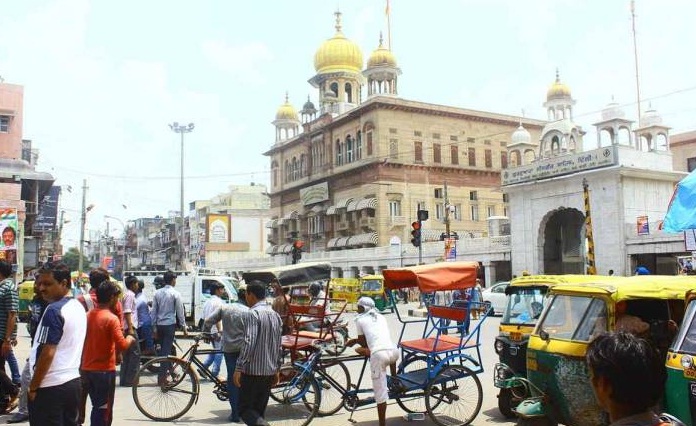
8,229
218,228
48,211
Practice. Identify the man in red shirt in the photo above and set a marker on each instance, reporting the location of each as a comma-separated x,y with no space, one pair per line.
104,337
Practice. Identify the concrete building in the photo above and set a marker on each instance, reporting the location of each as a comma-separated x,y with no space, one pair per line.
352,173
683,147
630,179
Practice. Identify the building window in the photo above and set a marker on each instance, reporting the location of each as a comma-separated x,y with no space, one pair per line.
457,212
472,157
358,146
491,211
487,142
503,160
339,153
437,154
489,158
439,211
691,164
394,208
471,140
506,198
453,138
436,136
349,149
454,154
474,212
369,143
439,193
505,211
4,123
394,149
418,152
473,195
392,131
417,133
503,143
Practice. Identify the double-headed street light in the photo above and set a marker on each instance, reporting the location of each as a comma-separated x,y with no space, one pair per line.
181,129
125,238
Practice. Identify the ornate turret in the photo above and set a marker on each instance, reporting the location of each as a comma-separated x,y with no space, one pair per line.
286,122
381,71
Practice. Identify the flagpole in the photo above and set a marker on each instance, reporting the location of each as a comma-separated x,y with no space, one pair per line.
635,56
388,12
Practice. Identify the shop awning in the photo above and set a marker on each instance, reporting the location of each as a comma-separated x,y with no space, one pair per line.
369,238
367,203
317,209
352,206
284,249
342,204
272,224
331,210
331,243
342,242
293,215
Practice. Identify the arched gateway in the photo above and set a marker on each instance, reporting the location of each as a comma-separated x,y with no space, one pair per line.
562,234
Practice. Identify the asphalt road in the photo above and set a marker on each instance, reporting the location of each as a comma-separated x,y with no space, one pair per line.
210,410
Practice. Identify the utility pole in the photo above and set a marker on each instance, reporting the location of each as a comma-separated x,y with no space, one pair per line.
446,207
181,130
83,219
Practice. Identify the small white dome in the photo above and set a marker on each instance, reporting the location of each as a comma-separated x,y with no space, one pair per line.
521,135
612,111
650,118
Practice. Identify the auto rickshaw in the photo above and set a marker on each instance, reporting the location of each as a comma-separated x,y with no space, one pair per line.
347,289
557,373
373,286
26,294
680,393
526,296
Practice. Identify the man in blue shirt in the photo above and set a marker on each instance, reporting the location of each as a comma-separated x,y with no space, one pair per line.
167,313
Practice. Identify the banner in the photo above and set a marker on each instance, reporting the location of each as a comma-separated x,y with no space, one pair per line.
450,249
218,229
48,211
8,230
642,225
108,263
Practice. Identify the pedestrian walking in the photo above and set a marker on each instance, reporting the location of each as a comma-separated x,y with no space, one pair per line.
231,316
104,336
217,290
131,357
259,360
55,388
36,309
375,342
142,305
167,312
9,305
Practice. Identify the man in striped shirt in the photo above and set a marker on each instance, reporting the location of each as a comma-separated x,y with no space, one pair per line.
259,359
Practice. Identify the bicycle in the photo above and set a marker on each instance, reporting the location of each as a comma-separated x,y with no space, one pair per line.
167,387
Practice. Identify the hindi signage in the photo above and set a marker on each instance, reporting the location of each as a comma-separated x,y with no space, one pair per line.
559,166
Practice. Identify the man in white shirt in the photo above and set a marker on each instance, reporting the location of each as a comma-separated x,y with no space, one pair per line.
211,305
131,357
376,342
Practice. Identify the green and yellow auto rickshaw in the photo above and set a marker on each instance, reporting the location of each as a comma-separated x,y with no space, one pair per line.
557,373
526,297
680,394
373,286
25,291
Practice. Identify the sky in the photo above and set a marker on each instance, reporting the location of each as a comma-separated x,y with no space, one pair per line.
103,79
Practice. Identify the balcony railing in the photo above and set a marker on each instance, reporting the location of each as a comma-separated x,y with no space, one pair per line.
368,222
397,220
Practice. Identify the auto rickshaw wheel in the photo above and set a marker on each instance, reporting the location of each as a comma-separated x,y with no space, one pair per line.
505,403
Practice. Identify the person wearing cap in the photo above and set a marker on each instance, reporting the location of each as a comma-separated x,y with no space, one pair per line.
230,315
375,342
642,270
215,301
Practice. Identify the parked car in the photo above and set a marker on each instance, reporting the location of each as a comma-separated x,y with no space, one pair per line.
495,299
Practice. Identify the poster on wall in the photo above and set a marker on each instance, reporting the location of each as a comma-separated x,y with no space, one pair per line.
8,230
642,225
218,229
450,249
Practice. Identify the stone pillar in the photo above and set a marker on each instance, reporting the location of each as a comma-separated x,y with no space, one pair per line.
489,273
348,273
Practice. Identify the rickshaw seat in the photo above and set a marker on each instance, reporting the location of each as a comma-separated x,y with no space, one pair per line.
315,335
432,345
295,342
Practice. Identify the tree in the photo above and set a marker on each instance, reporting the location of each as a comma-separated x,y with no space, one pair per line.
72,259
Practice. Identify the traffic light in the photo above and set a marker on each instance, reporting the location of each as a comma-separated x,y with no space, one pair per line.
297,251
416,233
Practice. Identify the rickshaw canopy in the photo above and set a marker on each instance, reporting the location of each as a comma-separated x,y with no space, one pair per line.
434,277
300,273
635,287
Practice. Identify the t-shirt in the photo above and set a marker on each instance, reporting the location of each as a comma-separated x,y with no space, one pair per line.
9,302
117,310
374,327
210,307
129,308
104,336
64,324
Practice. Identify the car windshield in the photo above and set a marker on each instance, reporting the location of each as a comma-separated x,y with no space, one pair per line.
574,318
524,305
685,342
372,285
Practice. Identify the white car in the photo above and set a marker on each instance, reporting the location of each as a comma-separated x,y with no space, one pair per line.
495,298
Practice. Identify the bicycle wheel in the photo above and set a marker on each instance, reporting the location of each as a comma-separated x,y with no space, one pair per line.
337,345
413,402
454,396
169,392
144,359
331,397
299,398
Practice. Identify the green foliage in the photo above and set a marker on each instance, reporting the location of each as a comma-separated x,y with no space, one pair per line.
72,257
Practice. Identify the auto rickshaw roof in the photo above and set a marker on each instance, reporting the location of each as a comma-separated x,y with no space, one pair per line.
300,273
372,277
434,277
635,287
552,280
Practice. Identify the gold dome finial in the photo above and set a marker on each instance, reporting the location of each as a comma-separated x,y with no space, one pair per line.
381,39
338,53
381,56
558,76
558,90
287,97
339,27
286,111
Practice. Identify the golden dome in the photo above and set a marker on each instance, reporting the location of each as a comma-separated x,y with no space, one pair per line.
286,111
338,53
558,90
381,57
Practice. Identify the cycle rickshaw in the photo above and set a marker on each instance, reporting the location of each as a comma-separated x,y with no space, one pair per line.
438,371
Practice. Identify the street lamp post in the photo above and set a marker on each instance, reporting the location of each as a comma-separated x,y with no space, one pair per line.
124,265
181,129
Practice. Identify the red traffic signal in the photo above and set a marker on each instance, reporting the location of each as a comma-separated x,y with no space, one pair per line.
416,234
416,225
298,244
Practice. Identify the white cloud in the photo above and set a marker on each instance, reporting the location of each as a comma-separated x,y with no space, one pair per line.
243,61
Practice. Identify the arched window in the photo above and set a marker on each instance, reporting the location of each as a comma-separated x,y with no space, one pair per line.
274,167
358,146
339,153
349,93
295,169
555,145
303,171
287,171
349,149
334,88
661,142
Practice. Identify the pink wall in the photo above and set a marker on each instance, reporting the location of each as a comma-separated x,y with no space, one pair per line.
12,101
